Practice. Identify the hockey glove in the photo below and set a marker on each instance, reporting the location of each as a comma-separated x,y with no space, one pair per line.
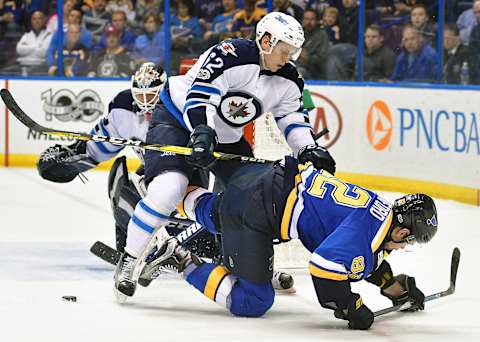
319,156
412,294
203,141
358,315
61,163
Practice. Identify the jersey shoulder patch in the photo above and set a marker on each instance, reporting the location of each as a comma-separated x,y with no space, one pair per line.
289,72
123,100
228,54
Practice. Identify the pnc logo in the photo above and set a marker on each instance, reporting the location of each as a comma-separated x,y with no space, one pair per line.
379,125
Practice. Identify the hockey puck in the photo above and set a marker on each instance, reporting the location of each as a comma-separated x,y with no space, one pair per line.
69,298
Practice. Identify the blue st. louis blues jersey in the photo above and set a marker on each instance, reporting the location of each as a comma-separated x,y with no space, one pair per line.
121,121
226,89
341,224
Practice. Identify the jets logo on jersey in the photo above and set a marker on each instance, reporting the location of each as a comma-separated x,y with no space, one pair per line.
237,109
227,48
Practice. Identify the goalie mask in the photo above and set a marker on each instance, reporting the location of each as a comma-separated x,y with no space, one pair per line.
418,213
146,85
281,27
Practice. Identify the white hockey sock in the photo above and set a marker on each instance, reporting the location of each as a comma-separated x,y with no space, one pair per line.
163,194
142,225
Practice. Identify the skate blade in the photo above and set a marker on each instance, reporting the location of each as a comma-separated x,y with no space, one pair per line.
120,297
289,291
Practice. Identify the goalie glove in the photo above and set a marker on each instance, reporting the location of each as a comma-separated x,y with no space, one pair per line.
62,163
319,156
412,294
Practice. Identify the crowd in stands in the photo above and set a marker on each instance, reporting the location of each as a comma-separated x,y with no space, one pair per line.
110,38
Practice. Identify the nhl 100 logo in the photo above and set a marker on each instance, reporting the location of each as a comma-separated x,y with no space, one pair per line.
65,106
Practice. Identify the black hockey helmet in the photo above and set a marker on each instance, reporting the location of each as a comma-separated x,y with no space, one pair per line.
418,213
146,85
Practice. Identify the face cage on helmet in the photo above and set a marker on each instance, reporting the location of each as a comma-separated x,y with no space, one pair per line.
144,104
273,42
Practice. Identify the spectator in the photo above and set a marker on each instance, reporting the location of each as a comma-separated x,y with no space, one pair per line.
86,38
32,48
222,24
127,37
455,54
122,5
349,22
311,61
404,7
206,11
149,46
286,6
417,61
113,61
52,23
184,25
187,34
6,17
244,21
75,55
468,20
318,6
97,19
330,24
378,60
375,10
143,7
420,21
342,56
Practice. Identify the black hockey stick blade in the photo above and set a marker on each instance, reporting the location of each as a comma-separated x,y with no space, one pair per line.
182,150
451,289
106,253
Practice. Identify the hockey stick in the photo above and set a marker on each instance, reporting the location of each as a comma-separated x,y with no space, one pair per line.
447,292
30,123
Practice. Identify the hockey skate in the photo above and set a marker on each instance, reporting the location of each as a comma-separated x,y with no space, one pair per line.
170,257
125,283
283,282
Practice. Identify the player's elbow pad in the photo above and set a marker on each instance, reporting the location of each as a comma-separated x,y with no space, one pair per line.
382,276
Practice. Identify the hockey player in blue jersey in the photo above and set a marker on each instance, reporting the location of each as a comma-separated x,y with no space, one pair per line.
232,84
348,230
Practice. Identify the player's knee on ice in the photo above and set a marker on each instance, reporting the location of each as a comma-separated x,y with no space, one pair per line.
250,299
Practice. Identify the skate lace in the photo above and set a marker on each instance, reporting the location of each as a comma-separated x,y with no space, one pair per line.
126,269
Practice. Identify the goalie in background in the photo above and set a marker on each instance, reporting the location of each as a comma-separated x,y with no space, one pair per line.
349,231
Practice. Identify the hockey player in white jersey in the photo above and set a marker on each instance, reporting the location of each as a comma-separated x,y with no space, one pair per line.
231,84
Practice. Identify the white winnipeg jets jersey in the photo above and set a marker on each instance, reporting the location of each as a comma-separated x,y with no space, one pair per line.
226,89
120,122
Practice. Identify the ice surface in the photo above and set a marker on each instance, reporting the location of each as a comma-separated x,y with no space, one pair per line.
46,230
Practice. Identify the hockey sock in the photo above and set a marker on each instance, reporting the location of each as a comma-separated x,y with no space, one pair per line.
214,281
141,226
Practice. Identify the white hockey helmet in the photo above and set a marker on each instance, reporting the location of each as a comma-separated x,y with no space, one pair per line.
146,85
281,27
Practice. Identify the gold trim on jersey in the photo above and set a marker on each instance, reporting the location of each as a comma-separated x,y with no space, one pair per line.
382,232
214,280
320,273
181,204
290,205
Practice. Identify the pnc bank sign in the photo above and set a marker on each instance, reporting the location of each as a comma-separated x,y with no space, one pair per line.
422,128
